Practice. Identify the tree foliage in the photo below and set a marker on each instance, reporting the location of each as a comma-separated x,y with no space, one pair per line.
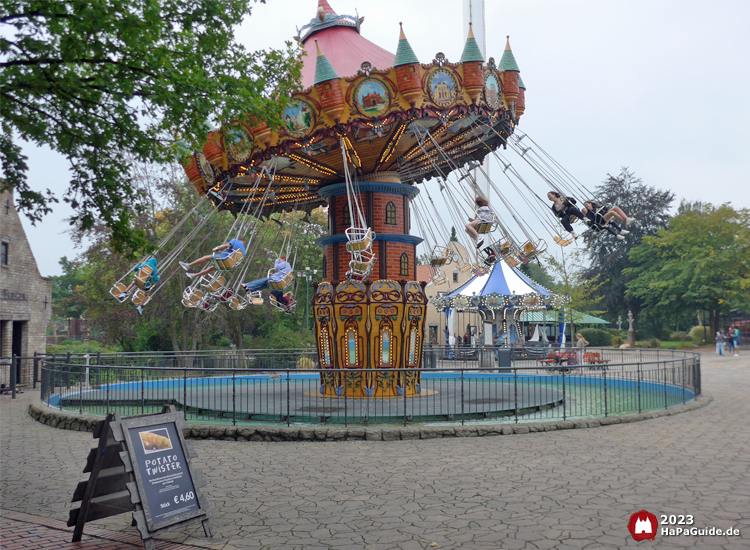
110,82
608,256
700,263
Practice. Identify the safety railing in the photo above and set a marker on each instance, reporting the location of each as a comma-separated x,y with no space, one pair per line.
489,385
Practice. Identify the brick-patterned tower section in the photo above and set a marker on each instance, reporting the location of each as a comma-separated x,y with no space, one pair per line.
25,296
385,202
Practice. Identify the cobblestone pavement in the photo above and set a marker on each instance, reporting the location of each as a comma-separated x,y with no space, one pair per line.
552,490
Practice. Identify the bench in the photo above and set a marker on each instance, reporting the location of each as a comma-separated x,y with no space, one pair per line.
594,359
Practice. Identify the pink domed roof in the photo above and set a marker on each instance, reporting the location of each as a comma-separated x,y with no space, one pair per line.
341,43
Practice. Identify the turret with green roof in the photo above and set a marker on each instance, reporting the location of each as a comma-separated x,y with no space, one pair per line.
404,53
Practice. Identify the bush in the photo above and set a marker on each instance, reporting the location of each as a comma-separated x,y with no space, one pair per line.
306,363
665,334
679,337
696,333
596,337
654,343
616,341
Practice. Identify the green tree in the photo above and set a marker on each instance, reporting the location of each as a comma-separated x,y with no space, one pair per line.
608,256
111,82
67,301
700,263
582,294
454,237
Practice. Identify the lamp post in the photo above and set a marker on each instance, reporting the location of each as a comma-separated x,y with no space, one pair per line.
308,275
619,322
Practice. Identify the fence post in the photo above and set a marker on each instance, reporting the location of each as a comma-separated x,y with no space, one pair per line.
36,370
184,394
234,393
462,398
13,360
288,400
606,410
515,392
565,397
665,385
639,389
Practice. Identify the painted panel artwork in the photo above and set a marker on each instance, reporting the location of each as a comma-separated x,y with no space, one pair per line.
299,117
443,87
492,91
372,97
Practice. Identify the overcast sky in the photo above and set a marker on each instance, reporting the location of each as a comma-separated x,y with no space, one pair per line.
660,86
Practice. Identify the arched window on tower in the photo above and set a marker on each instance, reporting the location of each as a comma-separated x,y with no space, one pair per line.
347,217
390,214
404,271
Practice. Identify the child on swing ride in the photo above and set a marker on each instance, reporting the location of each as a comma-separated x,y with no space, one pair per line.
224,251
150,281
281,269
484,215
614,212
564,207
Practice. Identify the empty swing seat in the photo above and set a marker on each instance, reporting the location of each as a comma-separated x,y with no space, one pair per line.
283,283
237,303
228,262
512,261
140,297
505,248
143,276
192,297
359,239
438,278
280,306
214,284
118,290
441,255
254,298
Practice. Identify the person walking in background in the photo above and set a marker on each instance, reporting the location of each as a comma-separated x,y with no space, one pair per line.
581,343
730,341
720,343
736,341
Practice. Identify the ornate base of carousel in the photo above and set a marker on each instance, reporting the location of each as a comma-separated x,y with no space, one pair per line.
366,327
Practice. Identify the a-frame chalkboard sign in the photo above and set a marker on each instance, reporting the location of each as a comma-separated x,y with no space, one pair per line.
142,464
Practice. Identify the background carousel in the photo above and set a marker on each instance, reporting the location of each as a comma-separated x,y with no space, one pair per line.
499,297
366,127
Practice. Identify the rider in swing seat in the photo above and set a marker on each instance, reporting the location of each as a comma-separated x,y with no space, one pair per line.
281,270
150,281
564,207
224,249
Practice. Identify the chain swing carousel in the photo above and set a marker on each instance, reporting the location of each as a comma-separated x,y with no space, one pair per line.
353,139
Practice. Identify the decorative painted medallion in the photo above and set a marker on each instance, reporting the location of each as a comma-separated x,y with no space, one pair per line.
299,117
207,171
239,143
493,92
443,87
372,97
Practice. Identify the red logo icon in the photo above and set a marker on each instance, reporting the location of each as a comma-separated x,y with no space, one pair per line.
643,525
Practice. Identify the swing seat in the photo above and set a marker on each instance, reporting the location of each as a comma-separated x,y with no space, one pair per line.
561,241
215,284
225,296
505,248
117,291
209,304
283,283
511,261
438,278
281,307
254,298
192,297
229,262
143,276
573,218
140,297
440,255
485,227
237,303
530,250
359,239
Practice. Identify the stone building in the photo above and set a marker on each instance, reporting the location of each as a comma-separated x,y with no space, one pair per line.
25,296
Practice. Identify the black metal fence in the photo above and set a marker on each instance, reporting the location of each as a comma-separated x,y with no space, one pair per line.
471,385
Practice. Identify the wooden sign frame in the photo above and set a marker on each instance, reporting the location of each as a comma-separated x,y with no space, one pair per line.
142,464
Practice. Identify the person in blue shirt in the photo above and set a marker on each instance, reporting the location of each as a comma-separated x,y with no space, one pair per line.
281,269
220,252
150,281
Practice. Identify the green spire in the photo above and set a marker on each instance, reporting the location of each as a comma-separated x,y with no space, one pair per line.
323,69
471,49
520,82
508,62
404,53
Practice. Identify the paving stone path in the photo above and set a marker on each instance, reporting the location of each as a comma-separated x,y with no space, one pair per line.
558,490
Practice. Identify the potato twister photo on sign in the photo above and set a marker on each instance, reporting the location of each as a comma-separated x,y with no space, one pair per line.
155,441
